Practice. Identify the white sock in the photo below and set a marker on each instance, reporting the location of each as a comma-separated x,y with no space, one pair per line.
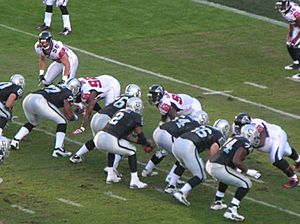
134,177
59,142
220,194
186,188
149,166
235,201
117,160
48,18
110,171
66,21
83,150
21,133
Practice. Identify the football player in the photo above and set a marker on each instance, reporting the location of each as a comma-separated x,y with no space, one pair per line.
224,164
4,150
94,89
10,92
165,135
62,4
172,105
117,138
102,117
186,149
290,11
45,103
274,141
65,61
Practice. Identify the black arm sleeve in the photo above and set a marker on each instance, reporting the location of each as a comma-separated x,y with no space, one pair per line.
142,139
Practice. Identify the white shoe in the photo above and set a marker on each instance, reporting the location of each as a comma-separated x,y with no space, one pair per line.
232,214
115,171
218,205
292,66
297,76
113,179
75,159
137,185
179,196
14,144
146,173
60,152
170,189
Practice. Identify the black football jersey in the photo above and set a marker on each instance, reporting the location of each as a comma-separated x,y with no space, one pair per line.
203,137
56,95
123,123
226,153
180,125
7,88
118,104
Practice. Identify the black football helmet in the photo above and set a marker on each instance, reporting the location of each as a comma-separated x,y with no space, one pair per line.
283,5
240,120
155,94
45,39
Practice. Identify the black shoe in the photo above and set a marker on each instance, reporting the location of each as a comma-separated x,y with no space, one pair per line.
43,27
65,32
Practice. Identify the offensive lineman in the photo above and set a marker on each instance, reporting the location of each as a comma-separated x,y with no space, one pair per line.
45,103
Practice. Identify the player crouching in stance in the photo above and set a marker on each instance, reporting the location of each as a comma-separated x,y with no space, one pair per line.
115,138
44,103
224,164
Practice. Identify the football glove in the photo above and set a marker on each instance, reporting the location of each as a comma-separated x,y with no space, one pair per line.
41,79
253,173
79,131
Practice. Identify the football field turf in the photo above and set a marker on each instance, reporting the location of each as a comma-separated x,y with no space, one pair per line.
231,62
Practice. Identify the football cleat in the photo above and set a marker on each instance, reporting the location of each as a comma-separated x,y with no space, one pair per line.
297,76
293,182
113,179
65,32
179,196
14,144
218,205
75,159
170,189
146,173
115,171
292,66
60,152
43,27
232,214
137,185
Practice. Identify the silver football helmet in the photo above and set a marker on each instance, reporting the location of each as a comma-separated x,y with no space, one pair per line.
135,104
74,85
250,132
4,147
133,90
200,116
18,79
223,126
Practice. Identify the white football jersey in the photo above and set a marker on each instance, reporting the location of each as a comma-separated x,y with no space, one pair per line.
292,14
57,52
182,103
106,86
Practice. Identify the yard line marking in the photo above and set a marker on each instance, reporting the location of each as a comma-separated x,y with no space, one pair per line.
110,194
69,202
255,85
295,80
169,78
22,209
241,12
216,92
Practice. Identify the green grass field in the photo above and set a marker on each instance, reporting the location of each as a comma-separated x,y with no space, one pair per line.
186,46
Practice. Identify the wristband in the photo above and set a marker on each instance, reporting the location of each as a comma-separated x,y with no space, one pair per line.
42,72
65,78
82,128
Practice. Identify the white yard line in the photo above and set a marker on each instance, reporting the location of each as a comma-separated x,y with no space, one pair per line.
23,209
110,194
69,202
255,85
168,78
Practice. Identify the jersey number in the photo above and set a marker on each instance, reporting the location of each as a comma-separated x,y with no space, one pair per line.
120,103
202,132
52,89
116,118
